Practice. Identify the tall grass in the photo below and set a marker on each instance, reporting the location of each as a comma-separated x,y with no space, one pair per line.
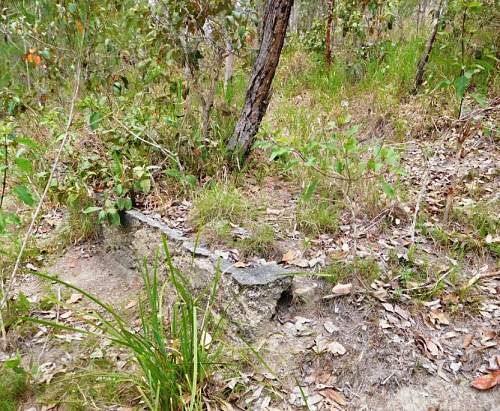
171,352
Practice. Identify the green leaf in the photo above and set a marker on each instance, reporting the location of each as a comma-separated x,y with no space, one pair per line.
172,172
89,210
11,107
309,191
117,88
95,119
101,216
13,363
3,222
461,83
72,8
28,142
278,152
444,84
24,195
124,203
474,5
351,144
145,185
6,219
480,99
486,66
24,164
114,217
339,166
387,189
374,165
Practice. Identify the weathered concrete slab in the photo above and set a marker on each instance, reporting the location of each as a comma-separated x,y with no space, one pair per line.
248,295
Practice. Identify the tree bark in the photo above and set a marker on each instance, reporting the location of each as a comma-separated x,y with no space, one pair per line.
294,18
419,79
274,28
328,39
229,68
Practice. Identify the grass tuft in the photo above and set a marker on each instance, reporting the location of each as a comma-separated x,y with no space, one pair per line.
318,217
220,203
171,353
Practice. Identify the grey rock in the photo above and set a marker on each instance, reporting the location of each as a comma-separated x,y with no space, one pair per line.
247,296
305,288
259,275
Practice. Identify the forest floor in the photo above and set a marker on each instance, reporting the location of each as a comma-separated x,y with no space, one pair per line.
394,312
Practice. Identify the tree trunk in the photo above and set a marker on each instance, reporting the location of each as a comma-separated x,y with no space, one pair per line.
274,28
419,11
229,68
419,79
328,39
294,18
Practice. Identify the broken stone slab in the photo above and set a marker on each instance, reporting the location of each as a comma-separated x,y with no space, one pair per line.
258,275
248,295
196,249
171,233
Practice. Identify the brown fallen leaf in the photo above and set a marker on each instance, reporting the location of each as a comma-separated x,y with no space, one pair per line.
334,396
66,315
430,348
467,340
402,312
487,335
438,317
291,255
486,382
336,348
340,289
74,298
388,307
241,264
130,304
294,257
273,211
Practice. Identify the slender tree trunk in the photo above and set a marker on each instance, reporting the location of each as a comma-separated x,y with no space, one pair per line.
418,17
294,18
274,28
419,79
229,69
462,71
328,39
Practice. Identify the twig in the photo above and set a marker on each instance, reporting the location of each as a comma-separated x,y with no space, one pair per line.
151,143
429,285
48,44
12,277
27,66
317,169
425,181
478,277
6,164
375,220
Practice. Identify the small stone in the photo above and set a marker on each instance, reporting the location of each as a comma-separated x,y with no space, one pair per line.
304,288
455,366
330,327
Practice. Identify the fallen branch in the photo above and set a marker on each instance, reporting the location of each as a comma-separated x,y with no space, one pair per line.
151,143
428,285
425,181
478,277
